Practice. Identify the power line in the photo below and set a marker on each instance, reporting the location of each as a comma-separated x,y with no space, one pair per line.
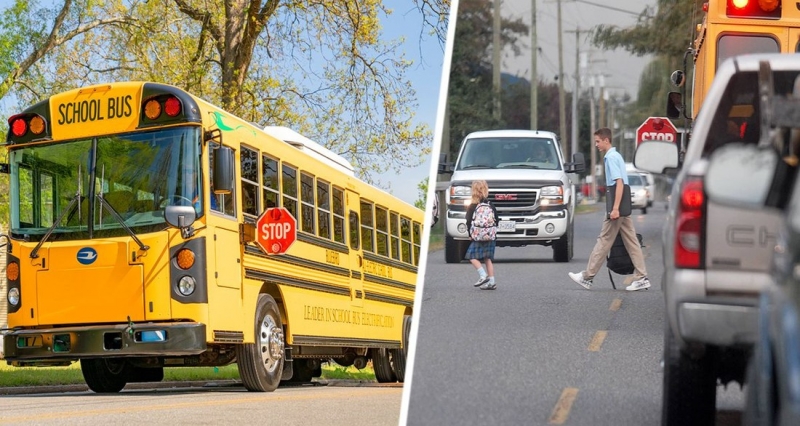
604,6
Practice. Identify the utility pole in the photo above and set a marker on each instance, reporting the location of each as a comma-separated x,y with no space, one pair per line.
593,150
496,48
576,93
534,73
562,113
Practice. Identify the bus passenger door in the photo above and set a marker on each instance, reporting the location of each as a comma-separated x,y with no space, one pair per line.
356,251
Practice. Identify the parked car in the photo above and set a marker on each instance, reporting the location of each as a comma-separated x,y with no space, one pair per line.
639,194
717,255
650,182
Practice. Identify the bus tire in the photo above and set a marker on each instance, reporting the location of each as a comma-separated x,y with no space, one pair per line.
105,375
399,356
261,363
382,366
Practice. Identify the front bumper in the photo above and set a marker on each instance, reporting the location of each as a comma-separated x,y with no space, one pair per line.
527,228
71,343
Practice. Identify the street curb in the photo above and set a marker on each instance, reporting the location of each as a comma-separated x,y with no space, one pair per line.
25,390
31,390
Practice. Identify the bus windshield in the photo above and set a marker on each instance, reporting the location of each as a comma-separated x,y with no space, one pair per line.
138,175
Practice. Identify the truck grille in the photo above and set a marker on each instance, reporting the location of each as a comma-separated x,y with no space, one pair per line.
513,200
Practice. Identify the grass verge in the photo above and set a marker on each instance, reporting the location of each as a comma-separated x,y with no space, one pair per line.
71,375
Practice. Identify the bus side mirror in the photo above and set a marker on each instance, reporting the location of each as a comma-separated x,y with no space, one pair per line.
674,104
223,170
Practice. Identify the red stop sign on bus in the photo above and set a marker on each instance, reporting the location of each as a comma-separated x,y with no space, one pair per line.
656,129
276,230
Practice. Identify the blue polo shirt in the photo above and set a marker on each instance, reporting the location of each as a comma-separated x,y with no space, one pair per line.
615,167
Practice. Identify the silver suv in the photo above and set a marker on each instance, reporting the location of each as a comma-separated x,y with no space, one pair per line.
716,256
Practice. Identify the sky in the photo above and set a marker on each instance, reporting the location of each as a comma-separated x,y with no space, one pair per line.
620,68
425,75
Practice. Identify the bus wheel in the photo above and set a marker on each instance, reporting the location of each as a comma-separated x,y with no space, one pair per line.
399,356
261,363
382,366
105,375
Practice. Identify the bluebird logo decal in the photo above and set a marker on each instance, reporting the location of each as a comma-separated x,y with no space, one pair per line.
87,256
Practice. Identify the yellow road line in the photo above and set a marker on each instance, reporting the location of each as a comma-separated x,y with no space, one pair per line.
615,304
597,340
563,406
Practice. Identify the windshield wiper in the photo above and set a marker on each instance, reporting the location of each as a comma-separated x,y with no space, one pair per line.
121,221
519,166
476,166
116,215
72,203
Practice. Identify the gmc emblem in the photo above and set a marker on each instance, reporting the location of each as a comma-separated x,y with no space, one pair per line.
505,197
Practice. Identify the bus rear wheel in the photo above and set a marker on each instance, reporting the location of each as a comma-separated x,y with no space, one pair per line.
261,363
383,366
105,375
399,356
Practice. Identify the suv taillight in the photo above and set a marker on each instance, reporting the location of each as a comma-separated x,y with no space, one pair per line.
689,227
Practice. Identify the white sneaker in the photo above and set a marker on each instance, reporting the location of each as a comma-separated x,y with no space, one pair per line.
578,278
481,281
489,286
641,284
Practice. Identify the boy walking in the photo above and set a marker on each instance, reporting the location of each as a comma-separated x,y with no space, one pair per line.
613,222
482,223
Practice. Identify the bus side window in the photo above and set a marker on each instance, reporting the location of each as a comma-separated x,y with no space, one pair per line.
354,231
338,215
395,231
417,242
367,226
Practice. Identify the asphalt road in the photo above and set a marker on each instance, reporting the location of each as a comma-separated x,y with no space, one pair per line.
370,404
541,349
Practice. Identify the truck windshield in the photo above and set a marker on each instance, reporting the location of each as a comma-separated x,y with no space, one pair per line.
138,174
509,153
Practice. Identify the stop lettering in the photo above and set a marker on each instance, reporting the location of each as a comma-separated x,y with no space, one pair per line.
277,230
656,129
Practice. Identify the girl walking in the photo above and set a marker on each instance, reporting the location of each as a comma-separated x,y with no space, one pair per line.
482,226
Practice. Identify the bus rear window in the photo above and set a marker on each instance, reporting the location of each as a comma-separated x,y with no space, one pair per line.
732,45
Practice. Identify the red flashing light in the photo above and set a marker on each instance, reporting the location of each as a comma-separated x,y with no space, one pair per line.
172,106
19,127
705,7
758,9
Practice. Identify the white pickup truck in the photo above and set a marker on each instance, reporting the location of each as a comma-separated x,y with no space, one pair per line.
717,255
528,184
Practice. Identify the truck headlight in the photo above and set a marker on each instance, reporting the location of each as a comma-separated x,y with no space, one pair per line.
459,195
552,195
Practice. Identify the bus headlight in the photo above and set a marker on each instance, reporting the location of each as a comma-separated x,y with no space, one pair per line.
186,285
13,296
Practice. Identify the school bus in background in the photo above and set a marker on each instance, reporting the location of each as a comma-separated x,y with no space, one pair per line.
730,28
131,245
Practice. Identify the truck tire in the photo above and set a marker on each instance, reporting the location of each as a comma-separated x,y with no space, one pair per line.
454,250
563,248
690,386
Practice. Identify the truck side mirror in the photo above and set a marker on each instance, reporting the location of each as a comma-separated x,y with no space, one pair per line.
578,164
444,166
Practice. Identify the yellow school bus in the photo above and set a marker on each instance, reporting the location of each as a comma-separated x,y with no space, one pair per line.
736,27
132,245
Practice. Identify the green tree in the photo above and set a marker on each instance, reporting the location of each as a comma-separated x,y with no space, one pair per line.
470,95
322,68
422,187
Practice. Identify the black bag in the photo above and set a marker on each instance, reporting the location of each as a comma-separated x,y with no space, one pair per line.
624,205
619,260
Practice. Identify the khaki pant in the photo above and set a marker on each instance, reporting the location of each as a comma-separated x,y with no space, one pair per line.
606,239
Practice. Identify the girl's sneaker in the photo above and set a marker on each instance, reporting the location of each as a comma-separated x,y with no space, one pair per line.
481,281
